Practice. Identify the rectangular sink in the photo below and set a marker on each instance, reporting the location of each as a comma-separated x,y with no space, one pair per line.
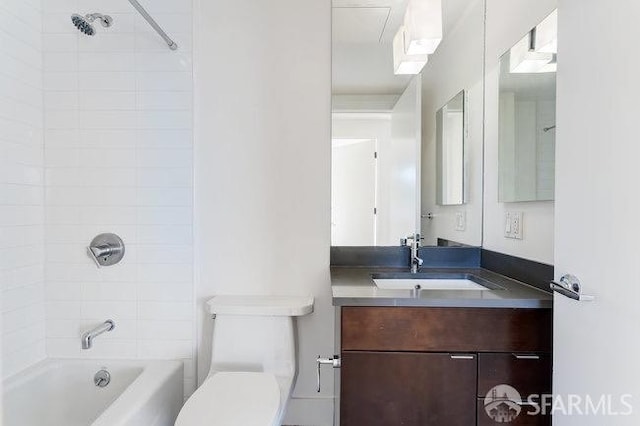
427,284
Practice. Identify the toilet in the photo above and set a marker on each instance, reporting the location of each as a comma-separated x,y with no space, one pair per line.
253,362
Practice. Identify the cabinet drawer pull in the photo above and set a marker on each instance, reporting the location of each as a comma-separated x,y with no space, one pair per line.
462,356
527,356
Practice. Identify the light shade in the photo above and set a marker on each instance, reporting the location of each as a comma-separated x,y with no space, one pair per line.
546,34
404,63
524,59
423,24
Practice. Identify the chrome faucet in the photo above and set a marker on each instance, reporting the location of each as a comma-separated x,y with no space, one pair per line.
87,337
416,261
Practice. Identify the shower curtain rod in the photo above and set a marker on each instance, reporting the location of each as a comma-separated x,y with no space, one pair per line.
172,44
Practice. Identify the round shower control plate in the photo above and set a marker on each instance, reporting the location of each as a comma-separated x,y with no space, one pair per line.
115,244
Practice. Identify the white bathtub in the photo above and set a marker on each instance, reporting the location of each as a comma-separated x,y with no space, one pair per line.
62,393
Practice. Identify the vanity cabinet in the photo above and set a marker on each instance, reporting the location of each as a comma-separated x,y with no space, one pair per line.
434,366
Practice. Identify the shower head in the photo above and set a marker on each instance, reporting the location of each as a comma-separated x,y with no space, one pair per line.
84,23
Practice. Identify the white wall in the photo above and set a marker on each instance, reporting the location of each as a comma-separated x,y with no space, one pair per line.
456,65
538,216
118,159
21,185
262,169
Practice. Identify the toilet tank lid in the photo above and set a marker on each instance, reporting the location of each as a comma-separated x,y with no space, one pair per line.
289,306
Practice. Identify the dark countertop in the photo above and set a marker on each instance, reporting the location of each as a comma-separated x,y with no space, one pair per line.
354,286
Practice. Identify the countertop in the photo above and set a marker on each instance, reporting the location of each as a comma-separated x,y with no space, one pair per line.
354,286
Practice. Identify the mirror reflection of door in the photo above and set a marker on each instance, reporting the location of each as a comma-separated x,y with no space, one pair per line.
375,173
353,192
371,101
450,131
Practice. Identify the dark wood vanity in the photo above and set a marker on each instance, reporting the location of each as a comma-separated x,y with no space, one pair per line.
434,366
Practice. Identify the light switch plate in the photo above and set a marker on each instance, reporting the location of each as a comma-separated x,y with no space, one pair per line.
507,225
461,221
514,225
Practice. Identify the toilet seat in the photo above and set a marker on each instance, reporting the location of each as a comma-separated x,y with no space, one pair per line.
233,399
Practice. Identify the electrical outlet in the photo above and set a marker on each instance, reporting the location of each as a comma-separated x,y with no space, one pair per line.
517,225
513,225
461,221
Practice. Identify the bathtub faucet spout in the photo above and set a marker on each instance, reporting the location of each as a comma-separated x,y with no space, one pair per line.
87,337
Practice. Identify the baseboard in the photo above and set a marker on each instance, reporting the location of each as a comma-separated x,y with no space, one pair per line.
309,412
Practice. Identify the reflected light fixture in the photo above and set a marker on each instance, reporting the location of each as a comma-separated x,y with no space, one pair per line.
546,36
537,51
403,62
423,26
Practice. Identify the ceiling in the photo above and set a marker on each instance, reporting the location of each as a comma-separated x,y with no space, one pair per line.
363,33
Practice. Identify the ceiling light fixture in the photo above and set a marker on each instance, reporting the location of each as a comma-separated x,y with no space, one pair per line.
403,62
423,25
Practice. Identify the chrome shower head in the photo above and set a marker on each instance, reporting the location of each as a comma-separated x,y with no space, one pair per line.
84,23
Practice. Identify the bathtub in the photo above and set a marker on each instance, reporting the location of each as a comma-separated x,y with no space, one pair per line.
62,393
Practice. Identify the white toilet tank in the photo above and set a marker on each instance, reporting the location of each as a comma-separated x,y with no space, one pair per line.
256,333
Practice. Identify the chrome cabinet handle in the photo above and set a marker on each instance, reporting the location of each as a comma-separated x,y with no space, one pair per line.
526,356
462,356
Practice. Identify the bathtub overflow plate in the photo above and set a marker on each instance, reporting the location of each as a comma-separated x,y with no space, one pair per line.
102,378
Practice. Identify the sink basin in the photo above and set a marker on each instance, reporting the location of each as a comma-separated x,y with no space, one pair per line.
427,284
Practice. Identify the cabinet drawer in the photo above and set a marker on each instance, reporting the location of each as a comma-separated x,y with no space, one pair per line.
523,419
410,389
527,373
446,329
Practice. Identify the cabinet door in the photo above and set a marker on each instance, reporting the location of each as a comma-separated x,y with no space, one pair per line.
523,419
529,374
403,388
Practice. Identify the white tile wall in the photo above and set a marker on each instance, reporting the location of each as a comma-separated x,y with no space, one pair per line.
21,185
118,158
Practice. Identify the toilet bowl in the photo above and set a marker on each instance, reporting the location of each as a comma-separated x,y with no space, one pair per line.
253,362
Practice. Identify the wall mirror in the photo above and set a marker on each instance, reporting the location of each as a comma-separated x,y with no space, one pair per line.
527,116
384,160
450,136
521,58
453,129
375,129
